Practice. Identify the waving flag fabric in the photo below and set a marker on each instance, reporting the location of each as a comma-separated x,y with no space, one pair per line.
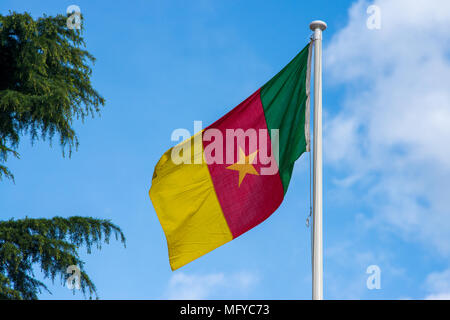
234,173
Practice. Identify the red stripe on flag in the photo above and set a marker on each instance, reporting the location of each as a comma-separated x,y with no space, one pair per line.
258,196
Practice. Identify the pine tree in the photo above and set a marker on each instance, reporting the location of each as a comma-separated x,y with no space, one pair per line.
52,244
44,82
44,86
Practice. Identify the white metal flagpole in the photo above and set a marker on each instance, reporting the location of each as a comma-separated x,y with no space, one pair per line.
317,254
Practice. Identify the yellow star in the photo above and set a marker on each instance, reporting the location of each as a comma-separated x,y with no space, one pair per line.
244,165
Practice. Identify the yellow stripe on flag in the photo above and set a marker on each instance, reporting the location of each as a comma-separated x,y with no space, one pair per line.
187,206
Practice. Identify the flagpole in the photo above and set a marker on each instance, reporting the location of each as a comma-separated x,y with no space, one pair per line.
317,254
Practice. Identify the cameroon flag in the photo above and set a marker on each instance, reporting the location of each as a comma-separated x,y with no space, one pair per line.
233,175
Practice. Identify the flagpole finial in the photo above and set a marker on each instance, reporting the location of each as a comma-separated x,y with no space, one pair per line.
317,24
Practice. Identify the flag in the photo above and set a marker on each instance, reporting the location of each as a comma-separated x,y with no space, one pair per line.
231,176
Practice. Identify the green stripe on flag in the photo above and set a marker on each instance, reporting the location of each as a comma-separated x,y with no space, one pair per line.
284,102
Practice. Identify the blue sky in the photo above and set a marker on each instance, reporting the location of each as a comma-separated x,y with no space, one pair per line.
163,64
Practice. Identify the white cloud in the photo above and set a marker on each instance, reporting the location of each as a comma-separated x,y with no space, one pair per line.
438,283
194,287
439,296
391,136
346,276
